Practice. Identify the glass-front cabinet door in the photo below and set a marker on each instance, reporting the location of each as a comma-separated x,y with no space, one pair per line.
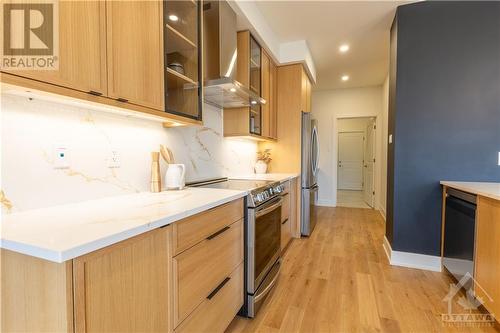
182,58
255,86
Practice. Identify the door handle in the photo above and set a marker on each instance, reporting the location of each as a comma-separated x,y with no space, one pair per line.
217,233
218,288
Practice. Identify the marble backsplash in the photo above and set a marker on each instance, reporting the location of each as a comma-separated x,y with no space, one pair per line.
32,128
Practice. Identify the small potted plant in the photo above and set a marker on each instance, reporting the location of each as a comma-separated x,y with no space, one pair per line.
263,159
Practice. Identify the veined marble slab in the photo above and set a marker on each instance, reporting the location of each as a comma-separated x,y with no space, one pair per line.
65,232
490,190
277,177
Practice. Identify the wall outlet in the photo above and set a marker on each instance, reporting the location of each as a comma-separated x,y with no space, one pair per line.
114,159
61,159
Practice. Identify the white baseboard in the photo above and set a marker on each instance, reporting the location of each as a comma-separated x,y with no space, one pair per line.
382,213
411,260
325,203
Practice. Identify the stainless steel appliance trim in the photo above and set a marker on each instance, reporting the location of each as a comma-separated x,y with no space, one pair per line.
465,196
271,284
264,209
252,301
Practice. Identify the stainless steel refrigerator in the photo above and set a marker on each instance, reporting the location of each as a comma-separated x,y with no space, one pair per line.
309,173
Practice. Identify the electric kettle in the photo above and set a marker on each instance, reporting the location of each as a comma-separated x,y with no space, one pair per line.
175,177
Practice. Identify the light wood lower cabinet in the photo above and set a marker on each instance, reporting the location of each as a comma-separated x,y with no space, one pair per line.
124,287
199,270
286,232
215,314
195,229
487,256
36,295
136,285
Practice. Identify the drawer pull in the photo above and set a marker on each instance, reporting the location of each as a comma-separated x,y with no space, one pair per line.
122,100
218,288
95,93
286,220
212,236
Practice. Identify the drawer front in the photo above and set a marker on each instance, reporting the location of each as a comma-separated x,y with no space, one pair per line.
286,233
194,229
285,208
199,270
215,314
286,185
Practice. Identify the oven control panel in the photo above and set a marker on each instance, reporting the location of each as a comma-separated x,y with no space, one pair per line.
262,195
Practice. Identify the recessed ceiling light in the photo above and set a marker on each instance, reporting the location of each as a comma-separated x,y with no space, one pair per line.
173,18
253,102
232,90
345,77
344,48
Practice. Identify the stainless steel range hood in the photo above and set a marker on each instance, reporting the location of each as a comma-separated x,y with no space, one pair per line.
219,50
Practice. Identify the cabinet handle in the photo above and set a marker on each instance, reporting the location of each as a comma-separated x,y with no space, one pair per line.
286,220
122,100
95,93
218,288
215,234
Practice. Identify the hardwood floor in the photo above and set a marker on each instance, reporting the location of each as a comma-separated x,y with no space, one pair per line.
339,280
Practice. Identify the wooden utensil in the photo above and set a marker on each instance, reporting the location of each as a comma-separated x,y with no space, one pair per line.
165,154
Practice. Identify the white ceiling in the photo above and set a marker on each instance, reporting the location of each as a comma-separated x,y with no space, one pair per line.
325,25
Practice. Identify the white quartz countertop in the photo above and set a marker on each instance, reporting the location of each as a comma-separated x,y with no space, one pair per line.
277,177
65,232
490,190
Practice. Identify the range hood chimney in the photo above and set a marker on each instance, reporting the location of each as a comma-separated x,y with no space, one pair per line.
220,53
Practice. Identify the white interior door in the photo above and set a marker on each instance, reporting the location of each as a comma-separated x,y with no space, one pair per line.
369,163
350,161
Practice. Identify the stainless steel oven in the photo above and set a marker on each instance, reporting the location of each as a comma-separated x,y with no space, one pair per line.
263,245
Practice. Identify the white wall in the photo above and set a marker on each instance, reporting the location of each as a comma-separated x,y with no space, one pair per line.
385,135
353,124
327,107
31,128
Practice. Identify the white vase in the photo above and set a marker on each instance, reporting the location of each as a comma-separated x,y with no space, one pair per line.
260,167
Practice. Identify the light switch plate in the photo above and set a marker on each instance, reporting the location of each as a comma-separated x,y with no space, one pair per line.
61,159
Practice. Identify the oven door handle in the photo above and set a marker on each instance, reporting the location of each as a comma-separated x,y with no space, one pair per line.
266,210
268,288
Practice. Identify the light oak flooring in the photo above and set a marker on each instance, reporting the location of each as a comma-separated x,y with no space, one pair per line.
339,280
352,199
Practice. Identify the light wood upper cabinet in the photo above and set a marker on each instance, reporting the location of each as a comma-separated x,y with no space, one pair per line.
273,104
266,94
487,256
82,48
135,52
124,287
305,102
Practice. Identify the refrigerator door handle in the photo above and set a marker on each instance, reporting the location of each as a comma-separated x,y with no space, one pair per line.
314,151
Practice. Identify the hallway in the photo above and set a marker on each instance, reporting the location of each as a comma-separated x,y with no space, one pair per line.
339,280
351,199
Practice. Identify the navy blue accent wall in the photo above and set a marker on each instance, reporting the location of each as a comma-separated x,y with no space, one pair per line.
444,112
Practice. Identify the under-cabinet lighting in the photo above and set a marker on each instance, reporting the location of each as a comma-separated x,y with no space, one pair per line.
344,48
